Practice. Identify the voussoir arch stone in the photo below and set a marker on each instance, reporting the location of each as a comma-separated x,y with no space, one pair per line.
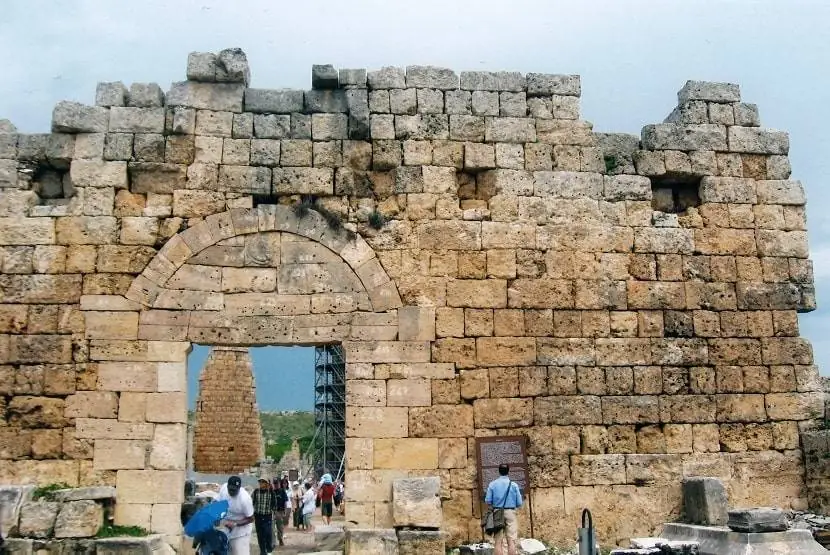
350,247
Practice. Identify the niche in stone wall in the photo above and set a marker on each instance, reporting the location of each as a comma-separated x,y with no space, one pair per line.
674,194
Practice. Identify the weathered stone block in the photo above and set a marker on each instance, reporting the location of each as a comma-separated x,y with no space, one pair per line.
37,519
704,501
207,96
371,541
421,542
757,520
72,117
416,502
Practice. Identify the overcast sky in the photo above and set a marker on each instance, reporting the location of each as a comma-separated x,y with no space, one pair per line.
633,56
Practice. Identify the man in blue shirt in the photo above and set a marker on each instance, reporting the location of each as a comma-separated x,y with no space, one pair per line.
504,494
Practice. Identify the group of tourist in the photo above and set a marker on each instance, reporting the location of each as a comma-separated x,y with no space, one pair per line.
271,507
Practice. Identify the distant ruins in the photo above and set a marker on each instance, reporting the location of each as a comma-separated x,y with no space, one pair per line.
227,434
490,264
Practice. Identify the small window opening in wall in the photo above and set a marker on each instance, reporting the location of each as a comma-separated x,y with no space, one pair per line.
51,183
675,194
265,199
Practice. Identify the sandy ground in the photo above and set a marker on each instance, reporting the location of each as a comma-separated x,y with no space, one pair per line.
296,541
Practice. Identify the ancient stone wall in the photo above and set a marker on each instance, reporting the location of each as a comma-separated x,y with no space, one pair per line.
490,264
227,435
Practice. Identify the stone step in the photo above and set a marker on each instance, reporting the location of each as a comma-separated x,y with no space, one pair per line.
757,520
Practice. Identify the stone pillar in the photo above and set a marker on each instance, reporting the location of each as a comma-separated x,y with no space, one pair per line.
227,435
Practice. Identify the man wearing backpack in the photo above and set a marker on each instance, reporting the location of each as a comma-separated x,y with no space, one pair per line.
502,493
327,491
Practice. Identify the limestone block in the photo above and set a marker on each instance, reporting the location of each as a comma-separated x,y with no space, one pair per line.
377,422
503,413
505,351
410,453
664,240
150,486
756,140
598,469
488,293
509,130
564,132
243,280
79,519
626,187
244,179
37,519
416,502
303,180
27,231
169,448
72,117
366,393
36,412
758,519
145,95
119,454
98,173
91,404
709,91
156,177
782,191
127,376
412,392
442,421
794,406
17,203
416,323
167,407
111,325
110,94
782,243
136,120
567,184
670,136
542,84
479,156
704,501
421,542
225,97
567,410
630,409
329,127
375,541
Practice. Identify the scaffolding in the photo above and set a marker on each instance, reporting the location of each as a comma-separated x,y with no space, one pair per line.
329,446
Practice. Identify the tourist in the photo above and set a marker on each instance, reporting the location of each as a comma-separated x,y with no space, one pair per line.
279,512
240,515
309,504
265,503
326,495
338,496
502,493
297,505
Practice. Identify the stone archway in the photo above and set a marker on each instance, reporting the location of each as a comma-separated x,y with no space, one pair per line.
270,275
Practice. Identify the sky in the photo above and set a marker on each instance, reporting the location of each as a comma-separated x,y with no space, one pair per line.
284,376
633,56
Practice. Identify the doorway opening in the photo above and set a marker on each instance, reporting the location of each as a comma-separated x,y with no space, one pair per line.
268,412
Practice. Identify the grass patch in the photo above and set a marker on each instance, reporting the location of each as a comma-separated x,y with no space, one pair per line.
46,493
611,163
114,531
377,220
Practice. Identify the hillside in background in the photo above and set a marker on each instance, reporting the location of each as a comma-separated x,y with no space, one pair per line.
280,428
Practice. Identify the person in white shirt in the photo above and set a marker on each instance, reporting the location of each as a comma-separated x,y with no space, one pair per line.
240,515
309,504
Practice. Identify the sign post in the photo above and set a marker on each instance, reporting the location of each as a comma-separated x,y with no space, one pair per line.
511,450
